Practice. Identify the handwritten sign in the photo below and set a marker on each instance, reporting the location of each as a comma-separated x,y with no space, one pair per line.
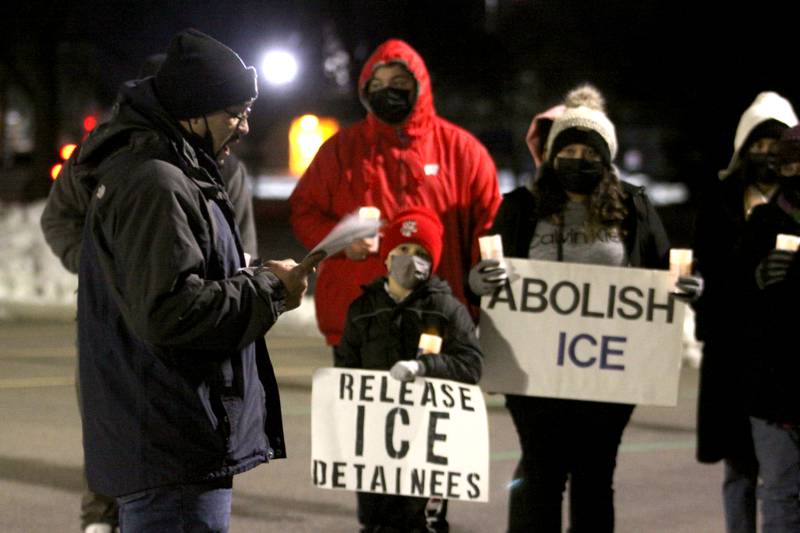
372,433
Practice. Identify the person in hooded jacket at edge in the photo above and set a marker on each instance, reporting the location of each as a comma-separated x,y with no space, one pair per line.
723,426
177,387
62,225
382,332
577,195
401,155
771,282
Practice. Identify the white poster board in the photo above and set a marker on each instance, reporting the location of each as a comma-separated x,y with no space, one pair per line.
372,433
586,332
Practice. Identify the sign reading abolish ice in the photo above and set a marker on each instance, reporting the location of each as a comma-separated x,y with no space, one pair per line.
372,433
585,332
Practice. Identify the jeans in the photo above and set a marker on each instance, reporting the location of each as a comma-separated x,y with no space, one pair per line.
779,477
560,440
194,508
739,494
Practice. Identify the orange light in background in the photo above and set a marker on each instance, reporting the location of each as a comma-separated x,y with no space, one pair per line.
306,135
89,122
67,150
55,170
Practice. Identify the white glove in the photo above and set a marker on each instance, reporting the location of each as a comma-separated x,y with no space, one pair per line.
486,276
406,370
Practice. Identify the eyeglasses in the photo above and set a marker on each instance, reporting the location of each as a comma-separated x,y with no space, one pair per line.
241,115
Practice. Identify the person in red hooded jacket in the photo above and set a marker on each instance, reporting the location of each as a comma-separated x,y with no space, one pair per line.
401,155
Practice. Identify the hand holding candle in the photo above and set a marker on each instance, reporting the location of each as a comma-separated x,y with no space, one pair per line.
490,272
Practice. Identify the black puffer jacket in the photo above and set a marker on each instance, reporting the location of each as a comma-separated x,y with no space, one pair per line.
176,382
379,332
646,242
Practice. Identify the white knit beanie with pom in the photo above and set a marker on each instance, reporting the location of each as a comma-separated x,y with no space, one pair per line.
585,110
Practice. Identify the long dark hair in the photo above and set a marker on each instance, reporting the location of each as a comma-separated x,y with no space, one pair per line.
606,203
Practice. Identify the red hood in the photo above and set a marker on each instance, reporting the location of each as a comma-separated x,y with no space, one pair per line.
535,131
395,50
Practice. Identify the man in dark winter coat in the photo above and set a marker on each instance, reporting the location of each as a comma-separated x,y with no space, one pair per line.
62,225
177,388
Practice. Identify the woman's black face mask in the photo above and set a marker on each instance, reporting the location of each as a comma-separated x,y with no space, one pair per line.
579,176
758,168
390,104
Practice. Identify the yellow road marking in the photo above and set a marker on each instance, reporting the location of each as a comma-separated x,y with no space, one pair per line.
30,383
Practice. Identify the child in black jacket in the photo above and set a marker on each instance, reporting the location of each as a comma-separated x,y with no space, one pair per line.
382,332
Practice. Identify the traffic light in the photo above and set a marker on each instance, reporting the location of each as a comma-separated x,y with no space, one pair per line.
89,122
306,135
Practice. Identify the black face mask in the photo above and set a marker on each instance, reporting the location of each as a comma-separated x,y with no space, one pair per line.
758,169
390,105
578,175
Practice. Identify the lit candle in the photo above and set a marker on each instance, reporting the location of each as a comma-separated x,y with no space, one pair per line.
371,213
787,242
491,247
431,344
680,263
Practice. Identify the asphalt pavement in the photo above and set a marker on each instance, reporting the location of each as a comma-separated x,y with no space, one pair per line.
659,486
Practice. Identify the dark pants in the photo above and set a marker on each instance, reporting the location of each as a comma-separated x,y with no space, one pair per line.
563,439
193,508
381,513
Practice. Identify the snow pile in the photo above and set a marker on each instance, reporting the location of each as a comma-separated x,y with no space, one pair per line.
33,283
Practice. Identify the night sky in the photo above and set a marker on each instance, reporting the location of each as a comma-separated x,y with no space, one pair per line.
676,80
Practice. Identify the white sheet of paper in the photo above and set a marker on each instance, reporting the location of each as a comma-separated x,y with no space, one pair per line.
349,229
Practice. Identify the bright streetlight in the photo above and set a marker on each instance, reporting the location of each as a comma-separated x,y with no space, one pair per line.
279,67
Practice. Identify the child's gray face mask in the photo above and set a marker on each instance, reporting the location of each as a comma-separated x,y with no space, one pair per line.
409,270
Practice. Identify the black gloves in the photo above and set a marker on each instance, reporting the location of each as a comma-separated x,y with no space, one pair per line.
773,268
689,288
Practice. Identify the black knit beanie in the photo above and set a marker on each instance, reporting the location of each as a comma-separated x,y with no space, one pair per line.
200,75
581,136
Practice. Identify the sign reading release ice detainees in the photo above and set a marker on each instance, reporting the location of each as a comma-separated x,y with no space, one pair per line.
372,433
586,332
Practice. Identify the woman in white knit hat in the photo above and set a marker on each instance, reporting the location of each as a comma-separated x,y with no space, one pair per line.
578,211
